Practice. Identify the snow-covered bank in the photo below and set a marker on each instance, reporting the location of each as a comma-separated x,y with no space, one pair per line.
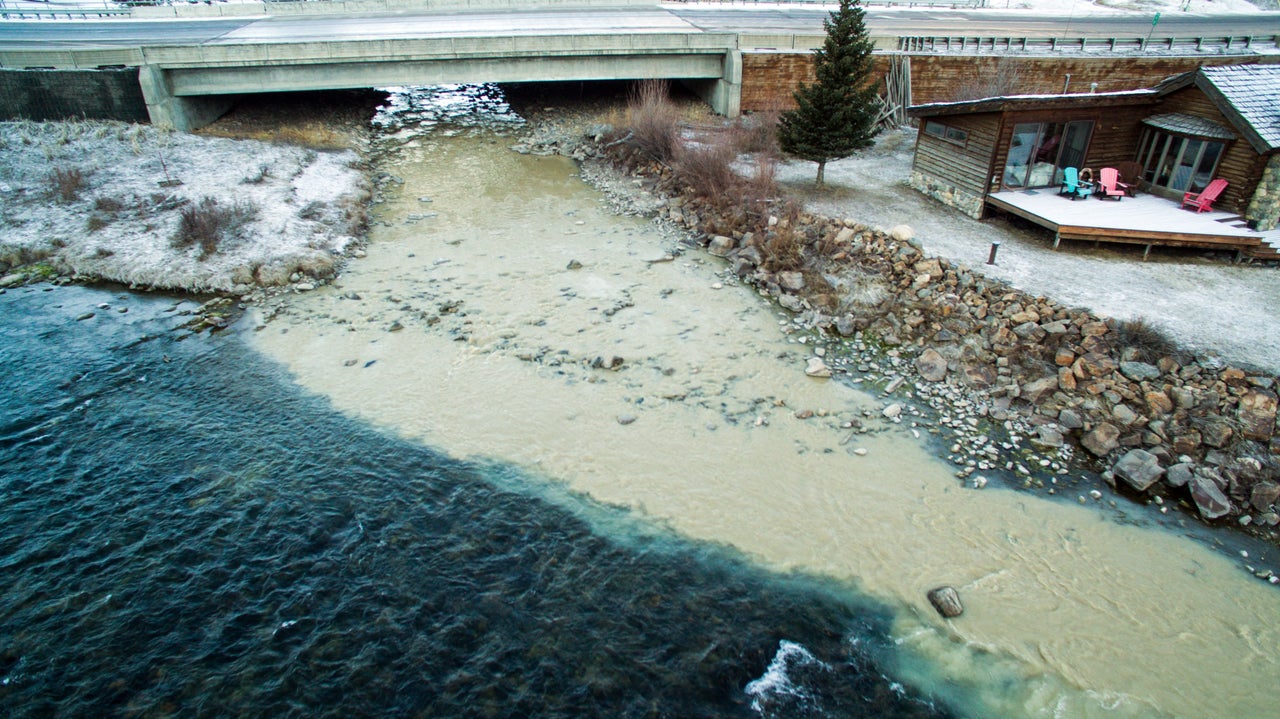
106,200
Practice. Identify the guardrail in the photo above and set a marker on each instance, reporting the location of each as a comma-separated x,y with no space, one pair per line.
952,4
23,11
999,45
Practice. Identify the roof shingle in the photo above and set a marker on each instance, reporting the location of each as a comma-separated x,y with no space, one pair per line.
1253,92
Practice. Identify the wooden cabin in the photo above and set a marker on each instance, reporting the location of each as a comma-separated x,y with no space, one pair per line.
1214,122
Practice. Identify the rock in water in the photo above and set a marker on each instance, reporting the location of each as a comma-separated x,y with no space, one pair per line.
1209,499
947,601
1139,469
817,368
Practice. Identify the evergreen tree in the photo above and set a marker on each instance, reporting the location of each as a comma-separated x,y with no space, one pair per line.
836,114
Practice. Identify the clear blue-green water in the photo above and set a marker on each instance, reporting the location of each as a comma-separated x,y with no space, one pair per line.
183,532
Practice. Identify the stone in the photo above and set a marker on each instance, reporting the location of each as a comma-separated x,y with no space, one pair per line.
573,265
815,367
1018,318
893,411
1036,390
1139,371
902,233
1093,329
1064,357
931,365
791,303
791,281
931,267
1070,419
1067,380
1216,433
1095,364
1257,414
1264,495
12,280
979,375
304,287
1209,498
1139,469
947,601
1187,442
626,419
1182,397
1048,436
846,325
1179,474
1030,331
1158,403
1102,439
1124,415
720,245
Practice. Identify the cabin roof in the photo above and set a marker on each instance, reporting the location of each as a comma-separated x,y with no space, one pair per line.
1008,103
1249,96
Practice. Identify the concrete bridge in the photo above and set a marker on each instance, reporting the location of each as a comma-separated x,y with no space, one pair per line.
190,61
189,83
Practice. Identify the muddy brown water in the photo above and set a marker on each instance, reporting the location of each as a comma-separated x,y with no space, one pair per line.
471,327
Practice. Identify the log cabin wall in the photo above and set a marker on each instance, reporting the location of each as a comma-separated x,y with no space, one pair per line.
954,172
1114,138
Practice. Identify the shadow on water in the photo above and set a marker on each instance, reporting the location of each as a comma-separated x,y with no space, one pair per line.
184,533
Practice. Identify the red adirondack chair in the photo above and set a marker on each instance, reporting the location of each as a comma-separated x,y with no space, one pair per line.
1109,184
1202,200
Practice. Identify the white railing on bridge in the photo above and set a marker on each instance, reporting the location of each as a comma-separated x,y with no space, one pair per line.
1007,45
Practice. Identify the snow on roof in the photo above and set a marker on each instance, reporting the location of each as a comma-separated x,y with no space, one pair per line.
1190,125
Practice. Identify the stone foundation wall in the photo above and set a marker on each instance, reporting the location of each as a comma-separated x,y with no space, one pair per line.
1264,208
948,194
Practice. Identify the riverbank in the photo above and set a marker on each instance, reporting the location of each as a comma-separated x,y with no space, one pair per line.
151,209
1057,397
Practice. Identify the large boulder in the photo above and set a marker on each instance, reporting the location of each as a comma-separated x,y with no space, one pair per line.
931,365
1101,439
1208,497
1139,469
947,601
1257,414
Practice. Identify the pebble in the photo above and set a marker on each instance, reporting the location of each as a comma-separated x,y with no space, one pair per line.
625,419
860,451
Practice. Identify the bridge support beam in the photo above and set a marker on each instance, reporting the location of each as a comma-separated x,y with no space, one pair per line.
179,113
723,94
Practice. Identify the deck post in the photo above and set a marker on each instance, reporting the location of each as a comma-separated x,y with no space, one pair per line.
1056,239
1146,252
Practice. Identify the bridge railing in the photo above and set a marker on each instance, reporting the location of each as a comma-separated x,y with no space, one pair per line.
953,4
18,10
1005,45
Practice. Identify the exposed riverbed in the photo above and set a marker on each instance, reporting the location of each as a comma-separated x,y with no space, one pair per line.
504,313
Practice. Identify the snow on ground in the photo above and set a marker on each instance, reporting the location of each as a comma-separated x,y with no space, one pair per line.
137,181
1204,301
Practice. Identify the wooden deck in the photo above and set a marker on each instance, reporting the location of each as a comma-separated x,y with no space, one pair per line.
1144,220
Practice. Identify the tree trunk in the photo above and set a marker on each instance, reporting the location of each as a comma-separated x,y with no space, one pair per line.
822,166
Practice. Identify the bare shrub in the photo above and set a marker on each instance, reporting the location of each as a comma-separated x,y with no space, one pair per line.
96,222
108,204
758,133
65,184
257,178
653,120
208,223
707,168
313,211
1148,342
784,244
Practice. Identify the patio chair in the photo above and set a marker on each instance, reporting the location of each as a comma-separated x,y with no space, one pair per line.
1201,201
1130,176
1109,184
1073,186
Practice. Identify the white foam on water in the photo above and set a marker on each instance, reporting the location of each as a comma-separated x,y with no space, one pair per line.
776,680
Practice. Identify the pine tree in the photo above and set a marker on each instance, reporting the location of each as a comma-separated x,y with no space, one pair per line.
836,114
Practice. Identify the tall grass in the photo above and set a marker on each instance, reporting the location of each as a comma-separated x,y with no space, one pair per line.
65,183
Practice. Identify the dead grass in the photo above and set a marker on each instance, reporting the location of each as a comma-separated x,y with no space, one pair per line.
65,183
1142,340
208,223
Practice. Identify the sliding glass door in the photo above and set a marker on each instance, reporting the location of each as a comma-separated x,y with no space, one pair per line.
1040,150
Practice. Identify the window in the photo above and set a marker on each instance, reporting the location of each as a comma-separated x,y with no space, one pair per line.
1039,150
945,132
1178,162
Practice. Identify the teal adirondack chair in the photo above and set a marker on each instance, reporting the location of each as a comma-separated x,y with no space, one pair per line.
1073,186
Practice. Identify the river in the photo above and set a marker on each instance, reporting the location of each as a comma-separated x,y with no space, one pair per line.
431,489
